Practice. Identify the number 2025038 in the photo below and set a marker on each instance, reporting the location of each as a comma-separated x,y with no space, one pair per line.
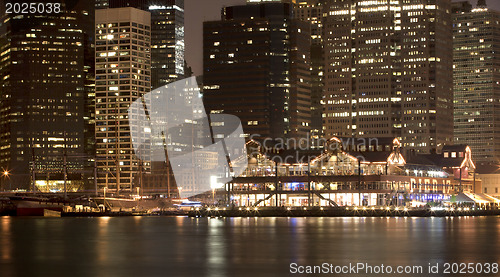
31,8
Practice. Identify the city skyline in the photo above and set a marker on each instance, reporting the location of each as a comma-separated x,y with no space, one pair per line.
379,82
198,11
249,138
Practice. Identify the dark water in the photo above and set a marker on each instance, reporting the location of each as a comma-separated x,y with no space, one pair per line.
181,246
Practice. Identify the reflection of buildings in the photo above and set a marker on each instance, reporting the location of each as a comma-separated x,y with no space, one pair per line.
123,74
388,71
353,172
257,66
476,76
45,80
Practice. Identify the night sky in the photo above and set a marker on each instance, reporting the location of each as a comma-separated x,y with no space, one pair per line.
197,11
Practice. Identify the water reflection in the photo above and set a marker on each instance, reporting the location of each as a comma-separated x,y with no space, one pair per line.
181,246
102,240
5,239
216,248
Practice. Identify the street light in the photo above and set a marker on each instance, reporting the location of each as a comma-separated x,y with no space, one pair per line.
5,175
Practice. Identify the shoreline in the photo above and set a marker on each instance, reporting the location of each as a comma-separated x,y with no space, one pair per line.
284,212
339,212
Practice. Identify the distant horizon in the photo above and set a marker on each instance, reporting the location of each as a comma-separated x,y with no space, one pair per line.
198,11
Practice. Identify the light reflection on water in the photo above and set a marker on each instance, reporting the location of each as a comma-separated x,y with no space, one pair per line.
181,246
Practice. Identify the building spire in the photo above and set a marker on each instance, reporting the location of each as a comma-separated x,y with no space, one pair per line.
481,3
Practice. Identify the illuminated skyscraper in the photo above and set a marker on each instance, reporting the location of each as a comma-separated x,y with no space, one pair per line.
477,81
312,12
167,37
45,82
123,74
388,71
257,66
167,47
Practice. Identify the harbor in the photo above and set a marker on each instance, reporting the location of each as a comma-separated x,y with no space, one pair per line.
343,178
84,206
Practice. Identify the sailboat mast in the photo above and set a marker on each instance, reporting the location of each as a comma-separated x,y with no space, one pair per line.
65,169
33,168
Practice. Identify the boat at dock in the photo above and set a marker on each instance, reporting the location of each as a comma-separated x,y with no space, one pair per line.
36,206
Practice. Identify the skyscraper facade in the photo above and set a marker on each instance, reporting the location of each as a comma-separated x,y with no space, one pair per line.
476,75
167,49
123,74
256,64
167,42
167,37
43,90
312,11
388,71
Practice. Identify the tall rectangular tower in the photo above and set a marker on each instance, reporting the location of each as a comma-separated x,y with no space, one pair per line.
43,93
476,54
388,71
257,66
312,11
167,37
123,74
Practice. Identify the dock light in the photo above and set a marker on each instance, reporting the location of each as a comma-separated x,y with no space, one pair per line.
239,209
373,208
355,208
347,208
256,208
288,208
6,173
208,209
321,208
197,209
216,209
305,208
364,208
406,209
248,209
224,209
387,208
452,209
460,209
